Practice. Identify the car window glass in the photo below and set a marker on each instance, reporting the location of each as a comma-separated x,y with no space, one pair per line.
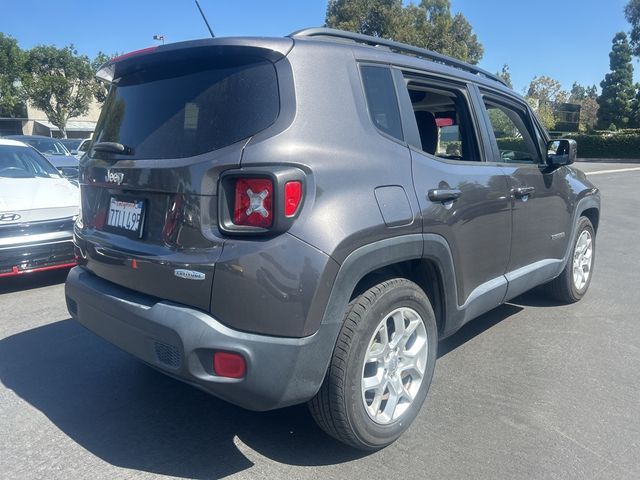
48,147
186,109
23,162
515,143
444,121
381,100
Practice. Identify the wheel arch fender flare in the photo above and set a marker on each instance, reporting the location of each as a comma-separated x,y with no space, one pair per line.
373,256
589,200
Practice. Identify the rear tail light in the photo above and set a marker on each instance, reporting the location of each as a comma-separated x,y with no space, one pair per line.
253,205
292,197
229,364
260,200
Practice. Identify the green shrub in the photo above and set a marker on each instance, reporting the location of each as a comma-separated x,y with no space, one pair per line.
611,145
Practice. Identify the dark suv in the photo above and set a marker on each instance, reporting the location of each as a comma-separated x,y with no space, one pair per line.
301,219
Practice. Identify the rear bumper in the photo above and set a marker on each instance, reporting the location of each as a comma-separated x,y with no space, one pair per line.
180,341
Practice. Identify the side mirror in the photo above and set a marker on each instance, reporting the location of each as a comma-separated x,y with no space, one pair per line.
561,152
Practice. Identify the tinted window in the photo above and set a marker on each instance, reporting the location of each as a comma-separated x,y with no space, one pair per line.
46,146
21,162
515,143
381,99
175,111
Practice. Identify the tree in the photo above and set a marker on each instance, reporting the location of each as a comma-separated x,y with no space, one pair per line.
544,94
59,82
632,13
578,93
586,97
11,65
617,87
546,90
369,17
505,75
428,24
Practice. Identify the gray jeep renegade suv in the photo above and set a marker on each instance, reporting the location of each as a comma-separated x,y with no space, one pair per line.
301,219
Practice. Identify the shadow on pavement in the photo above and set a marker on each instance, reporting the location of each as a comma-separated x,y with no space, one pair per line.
536,298
475,327
136,418
28,281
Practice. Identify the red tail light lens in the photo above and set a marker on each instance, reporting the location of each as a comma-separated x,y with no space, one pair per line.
292,197
253,202
228,364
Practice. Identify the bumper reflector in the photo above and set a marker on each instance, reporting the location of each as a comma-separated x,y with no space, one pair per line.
228,364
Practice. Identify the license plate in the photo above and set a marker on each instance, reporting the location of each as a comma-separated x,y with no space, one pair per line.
126,216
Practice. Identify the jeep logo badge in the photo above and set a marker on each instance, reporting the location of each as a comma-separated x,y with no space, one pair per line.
189,274
9,217
114,177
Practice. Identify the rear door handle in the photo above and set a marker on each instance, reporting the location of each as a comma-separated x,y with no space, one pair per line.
444,194
521,192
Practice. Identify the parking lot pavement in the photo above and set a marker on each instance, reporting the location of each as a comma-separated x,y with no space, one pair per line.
530,390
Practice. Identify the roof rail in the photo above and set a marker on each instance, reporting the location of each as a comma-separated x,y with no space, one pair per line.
396,47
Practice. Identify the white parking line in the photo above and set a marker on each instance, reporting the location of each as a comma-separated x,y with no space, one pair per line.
618,170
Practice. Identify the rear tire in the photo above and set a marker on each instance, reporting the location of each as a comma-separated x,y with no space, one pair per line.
571,285
374,390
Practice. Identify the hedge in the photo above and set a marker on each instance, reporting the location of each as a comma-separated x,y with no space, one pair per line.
607,146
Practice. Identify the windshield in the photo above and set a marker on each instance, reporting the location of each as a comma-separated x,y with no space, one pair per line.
46,146
182,110
24,162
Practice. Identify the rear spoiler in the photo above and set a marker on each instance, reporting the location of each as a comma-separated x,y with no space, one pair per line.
272,49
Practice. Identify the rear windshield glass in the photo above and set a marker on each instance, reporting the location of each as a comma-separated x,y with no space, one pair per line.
175,111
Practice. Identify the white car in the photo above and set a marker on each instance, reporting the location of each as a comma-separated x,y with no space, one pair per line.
38,208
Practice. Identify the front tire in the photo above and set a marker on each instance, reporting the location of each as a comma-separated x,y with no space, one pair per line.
381,367
572,284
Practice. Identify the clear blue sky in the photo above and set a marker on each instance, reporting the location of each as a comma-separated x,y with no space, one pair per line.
565,39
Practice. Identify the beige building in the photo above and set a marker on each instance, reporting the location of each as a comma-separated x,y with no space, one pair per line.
35,122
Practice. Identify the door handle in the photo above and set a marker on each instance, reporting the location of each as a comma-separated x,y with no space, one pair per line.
521,192
444,194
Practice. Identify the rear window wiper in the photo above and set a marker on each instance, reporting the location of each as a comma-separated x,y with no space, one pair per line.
113,147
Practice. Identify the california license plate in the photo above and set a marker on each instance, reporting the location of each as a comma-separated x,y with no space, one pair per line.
126,216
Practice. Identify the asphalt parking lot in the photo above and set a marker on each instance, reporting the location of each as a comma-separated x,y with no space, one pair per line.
530,390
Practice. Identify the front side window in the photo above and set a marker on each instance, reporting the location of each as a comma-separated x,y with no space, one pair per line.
381,100
515,142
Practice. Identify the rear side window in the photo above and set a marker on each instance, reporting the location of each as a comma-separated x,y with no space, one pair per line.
381,100
175,111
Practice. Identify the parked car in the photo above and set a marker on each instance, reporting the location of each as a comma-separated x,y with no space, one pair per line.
279,221
38,208
72,145
54,151
83,147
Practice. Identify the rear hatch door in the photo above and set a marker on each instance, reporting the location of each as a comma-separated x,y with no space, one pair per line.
174,119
